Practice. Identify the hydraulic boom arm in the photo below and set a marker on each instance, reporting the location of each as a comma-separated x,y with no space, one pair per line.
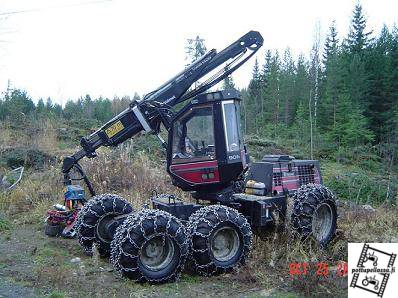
155,108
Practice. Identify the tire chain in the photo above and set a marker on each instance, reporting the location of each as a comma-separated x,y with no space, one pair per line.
134,222
305,201
88,241
233,216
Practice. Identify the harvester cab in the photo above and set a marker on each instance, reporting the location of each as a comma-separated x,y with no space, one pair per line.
205,145
206,156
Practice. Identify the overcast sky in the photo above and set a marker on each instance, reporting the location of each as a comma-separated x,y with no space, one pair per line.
67,48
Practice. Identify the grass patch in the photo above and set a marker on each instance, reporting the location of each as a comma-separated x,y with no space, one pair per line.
361,186
57,294
5,225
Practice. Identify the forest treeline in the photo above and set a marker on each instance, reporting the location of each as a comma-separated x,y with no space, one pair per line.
340,103
17,105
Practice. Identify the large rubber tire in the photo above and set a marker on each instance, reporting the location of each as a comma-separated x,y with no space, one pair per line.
315,213
221,239
150,246
91,217
53,230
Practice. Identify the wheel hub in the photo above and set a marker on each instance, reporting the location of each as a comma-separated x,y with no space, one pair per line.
103,227
225,244
322,221
157,253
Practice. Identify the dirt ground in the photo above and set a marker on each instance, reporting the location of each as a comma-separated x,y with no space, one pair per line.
33,265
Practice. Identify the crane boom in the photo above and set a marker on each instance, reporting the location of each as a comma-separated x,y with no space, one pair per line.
154,108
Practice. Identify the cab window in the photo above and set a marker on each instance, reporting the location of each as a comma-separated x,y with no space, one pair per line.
232,126
193,136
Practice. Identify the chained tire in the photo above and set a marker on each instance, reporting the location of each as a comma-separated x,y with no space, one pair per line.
221,239
93,219
52,230
150,246
315,213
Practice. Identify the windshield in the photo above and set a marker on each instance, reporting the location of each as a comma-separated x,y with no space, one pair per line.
232,126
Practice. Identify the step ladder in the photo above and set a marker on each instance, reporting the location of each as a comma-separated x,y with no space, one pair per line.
363,255
383,285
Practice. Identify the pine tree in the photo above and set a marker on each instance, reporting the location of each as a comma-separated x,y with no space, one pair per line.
228,82
40,108
88,106
72,110
351,129
266,67
358,37
287,86
271,95
355,74
17,105
194,49
301,82
254,98
380,97
331,80
49,105
264,77
57,110
331,46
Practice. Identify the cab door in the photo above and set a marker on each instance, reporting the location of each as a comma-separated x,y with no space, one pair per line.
193,159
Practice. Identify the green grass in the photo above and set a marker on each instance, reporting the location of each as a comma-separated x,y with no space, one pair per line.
57,294
5,225
361,186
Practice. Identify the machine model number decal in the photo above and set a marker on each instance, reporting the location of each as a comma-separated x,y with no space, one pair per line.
114,129
234,157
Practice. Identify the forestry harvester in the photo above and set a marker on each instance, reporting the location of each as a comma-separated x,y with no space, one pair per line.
206,157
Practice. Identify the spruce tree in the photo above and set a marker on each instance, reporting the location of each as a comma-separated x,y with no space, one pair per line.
287,86
331,46
254,98
272,95
355,74
358,37
228,82
331,80
194,49
40,108
381,100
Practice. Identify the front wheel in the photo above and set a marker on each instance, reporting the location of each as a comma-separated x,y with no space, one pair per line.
150,245
93,222
221,239
315,213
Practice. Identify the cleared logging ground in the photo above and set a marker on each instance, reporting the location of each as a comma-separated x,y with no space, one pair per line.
31,262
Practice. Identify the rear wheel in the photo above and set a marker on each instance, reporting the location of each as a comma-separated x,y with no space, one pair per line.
93,222
315,213
221,239
150,245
